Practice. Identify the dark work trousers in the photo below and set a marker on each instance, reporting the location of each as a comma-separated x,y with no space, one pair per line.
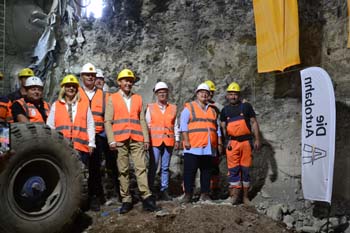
95,183
102,147
191,164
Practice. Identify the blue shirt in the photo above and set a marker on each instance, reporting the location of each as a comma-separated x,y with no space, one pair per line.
208,150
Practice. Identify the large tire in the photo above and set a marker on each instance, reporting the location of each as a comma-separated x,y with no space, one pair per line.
41,154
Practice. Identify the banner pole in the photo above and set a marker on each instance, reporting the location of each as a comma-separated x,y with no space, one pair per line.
328,216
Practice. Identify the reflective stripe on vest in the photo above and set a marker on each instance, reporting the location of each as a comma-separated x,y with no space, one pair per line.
76,131
97,105
162,125
32,113
237,126
201,123
127,125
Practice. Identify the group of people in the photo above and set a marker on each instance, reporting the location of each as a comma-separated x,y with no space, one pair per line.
120,127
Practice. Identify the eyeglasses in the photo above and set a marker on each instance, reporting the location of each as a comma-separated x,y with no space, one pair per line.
89,75
70,85
162,92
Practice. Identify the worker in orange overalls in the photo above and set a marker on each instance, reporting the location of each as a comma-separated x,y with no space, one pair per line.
165,136
127,132
32,107
215,173
238,121
201,139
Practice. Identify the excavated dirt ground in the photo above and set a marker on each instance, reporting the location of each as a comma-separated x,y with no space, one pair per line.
174,218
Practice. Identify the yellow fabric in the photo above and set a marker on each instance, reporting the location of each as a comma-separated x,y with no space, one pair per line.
277,34
348,23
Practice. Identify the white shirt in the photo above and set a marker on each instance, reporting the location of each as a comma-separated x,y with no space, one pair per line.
162,109
89,120
127,99
90,93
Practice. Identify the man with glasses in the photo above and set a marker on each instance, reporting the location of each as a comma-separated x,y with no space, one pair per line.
164,135
201,138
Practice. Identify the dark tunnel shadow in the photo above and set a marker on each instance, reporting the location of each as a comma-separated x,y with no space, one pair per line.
263,162
341,182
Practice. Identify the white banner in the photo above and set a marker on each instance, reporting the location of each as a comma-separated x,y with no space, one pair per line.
317,134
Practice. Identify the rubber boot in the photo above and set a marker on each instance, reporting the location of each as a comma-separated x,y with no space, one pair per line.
234,195
246,200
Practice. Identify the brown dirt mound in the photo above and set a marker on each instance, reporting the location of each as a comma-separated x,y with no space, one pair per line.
185,219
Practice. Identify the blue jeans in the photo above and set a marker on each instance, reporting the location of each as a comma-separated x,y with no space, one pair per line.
162,153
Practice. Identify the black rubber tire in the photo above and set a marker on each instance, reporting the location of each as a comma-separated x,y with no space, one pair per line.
40,151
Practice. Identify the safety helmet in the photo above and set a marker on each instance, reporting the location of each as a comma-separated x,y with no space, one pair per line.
211,85
203,86
33,81
88,68
70,79
26,72
1,75
126,73
160,85
233,87
99,73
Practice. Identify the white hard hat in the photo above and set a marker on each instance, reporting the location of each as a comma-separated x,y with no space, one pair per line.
88,68
33,81
99,73
203,86
160,85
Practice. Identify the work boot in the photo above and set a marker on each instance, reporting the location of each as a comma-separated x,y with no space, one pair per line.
187,198
126,207
149,204
164,195
246,200
204,197
234,195
95,204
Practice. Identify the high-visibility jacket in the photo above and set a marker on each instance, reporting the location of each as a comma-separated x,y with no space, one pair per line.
200,124
32,112
75,131
97,105
4,109
127,125
237,127
162,125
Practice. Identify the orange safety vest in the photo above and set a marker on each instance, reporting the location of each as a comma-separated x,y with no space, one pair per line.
201,121
162,124
32,112
75,131
97,105
3,110
127,125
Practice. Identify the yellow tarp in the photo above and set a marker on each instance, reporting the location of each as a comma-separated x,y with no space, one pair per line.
277,34
348,23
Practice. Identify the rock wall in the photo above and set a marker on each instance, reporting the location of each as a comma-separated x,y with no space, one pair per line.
185,42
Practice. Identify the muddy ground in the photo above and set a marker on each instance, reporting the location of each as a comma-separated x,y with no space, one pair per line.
189,218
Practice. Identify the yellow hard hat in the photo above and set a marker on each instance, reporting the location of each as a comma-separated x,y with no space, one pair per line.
126,73
69,79
233,87
211,85
26,72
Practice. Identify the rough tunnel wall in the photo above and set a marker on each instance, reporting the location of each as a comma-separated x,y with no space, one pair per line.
186,42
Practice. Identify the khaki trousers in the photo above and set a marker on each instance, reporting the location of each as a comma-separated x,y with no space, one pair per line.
134,150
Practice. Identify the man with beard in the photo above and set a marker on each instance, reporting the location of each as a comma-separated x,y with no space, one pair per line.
238,122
